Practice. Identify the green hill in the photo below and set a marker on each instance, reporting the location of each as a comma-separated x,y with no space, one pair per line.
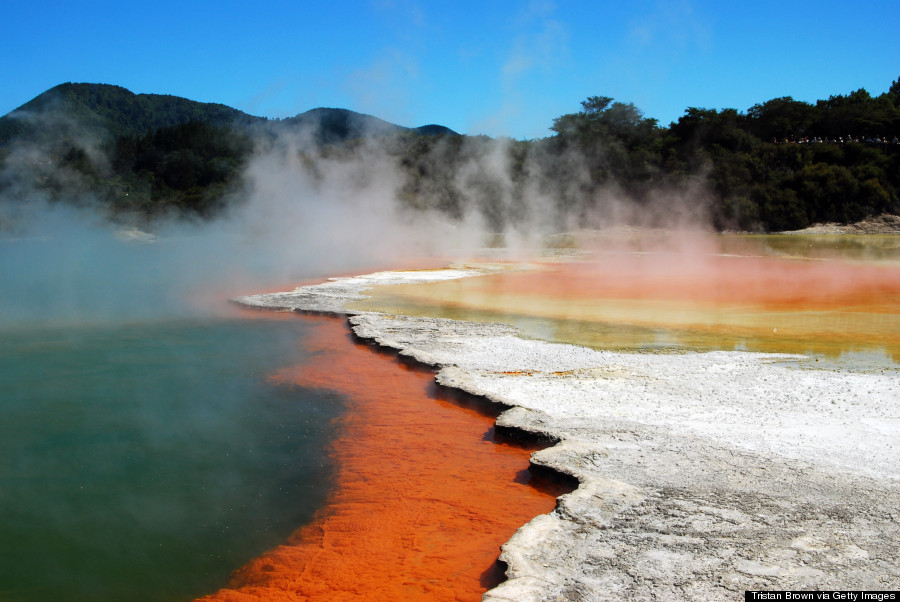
330,126
780,165
151,154
108,111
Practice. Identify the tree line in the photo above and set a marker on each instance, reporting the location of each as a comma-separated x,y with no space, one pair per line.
781,165
785,164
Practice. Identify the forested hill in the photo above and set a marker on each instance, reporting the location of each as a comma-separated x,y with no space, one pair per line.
152,153
782,164
330,126
108,110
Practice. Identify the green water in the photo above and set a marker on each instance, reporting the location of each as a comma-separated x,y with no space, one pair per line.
147,461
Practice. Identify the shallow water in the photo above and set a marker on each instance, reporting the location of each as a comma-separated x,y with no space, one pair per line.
147,461
730,292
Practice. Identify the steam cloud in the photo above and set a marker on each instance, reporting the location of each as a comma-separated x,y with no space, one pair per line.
302,211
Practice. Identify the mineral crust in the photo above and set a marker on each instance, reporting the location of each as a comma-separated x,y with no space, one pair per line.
701,475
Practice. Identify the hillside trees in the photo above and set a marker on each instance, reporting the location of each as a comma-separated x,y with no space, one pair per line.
615,141
187,167
783,164
776,167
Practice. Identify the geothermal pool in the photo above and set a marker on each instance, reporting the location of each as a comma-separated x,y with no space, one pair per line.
146,460
424,492
232,434
836,301
705,470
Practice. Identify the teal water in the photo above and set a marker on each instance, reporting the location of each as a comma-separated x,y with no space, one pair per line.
146,461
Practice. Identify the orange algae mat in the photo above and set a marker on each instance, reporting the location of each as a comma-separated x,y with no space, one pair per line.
767,282
771,283
704,301
423,496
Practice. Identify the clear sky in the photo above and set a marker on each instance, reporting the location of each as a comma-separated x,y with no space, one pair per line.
501,68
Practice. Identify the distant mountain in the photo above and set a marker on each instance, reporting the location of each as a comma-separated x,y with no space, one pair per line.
435,130
109,111
153,154
106,111
329,126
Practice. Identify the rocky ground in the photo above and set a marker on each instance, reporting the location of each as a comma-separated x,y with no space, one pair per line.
700,475
882,224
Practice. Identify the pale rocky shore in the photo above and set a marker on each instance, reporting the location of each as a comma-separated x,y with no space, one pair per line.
701,475
880,224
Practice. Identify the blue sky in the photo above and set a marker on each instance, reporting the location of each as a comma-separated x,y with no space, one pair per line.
501,68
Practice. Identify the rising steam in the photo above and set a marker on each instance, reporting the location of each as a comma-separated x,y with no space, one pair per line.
302,210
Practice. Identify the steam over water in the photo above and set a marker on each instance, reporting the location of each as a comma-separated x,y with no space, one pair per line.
145,451
147,461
